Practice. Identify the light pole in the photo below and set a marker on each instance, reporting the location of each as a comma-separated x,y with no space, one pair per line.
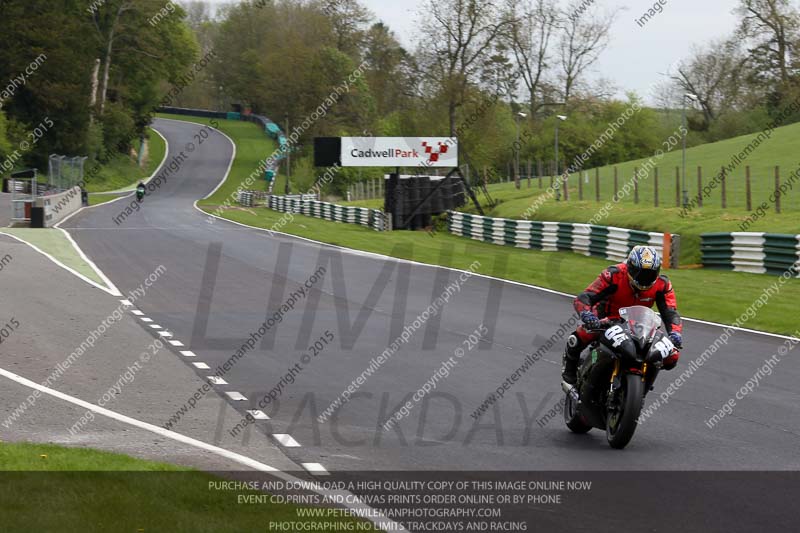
561,118
692,97
518,146
287,190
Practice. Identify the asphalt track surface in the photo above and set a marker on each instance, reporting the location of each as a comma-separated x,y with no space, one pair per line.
255,272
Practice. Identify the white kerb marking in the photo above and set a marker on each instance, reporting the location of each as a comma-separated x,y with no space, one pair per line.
286,440
315,469
236,396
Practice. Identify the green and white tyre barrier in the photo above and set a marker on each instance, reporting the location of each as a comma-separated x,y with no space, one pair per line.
610,243
372,218
756,253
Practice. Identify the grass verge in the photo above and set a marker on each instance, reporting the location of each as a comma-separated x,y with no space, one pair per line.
51,488
122,172
54,242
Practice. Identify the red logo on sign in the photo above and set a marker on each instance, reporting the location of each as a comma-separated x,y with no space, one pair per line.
434,153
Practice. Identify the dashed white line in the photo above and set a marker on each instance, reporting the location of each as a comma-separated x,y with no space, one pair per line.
176,343
201,366
286,440
165,334
187,353
257,414
214,380
155,326
145,319
137,312
126,303
315,469
236,396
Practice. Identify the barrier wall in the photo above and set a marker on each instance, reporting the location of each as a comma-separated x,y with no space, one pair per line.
608,242
68,202
373,218
757,253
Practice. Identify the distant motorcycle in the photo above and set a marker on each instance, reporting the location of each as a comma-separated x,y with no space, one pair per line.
616,375
140,190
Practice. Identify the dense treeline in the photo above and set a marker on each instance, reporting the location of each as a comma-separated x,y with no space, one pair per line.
94,68
474,69
283,58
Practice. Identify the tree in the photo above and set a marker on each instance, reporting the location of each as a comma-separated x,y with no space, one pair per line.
149,31
584,35
456,35
348,19
715,73
530,38
771,29
385,60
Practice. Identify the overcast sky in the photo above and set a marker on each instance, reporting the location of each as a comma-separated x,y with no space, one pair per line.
637,55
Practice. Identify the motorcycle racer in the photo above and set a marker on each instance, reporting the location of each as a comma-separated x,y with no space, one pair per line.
635,282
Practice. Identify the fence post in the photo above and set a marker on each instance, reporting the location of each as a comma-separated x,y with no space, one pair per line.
616,183
677,187
699,186
778,190
635,185
655,194
552,171
723,182
747,189
580,187
597,184
565,175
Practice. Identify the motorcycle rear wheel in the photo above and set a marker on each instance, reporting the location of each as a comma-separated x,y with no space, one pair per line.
574,421
620,426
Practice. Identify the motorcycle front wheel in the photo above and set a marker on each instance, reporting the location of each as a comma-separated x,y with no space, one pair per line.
621,423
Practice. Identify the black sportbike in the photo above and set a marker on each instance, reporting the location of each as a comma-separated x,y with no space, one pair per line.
616,374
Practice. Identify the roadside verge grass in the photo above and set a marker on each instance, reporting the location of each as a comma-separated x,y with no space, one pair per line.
122,172
51,488
54,242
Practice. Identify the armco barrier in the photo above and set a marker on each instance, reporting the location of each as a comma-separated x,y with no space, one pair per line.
373,218
757,253
610,243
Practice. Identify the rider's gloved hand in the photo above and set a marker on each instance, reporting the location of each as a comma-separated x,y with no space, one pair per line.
590,320
676,339
670,362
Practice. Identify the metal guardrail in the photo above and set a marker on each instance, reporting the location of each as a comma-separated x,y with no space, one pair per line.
756,253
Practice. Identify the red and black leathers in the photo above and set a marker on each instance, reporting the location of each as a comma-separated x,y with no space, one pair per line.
610,292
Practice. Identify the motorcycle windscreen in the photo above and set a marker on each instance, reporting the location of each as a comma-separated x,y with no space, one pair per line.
642,323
